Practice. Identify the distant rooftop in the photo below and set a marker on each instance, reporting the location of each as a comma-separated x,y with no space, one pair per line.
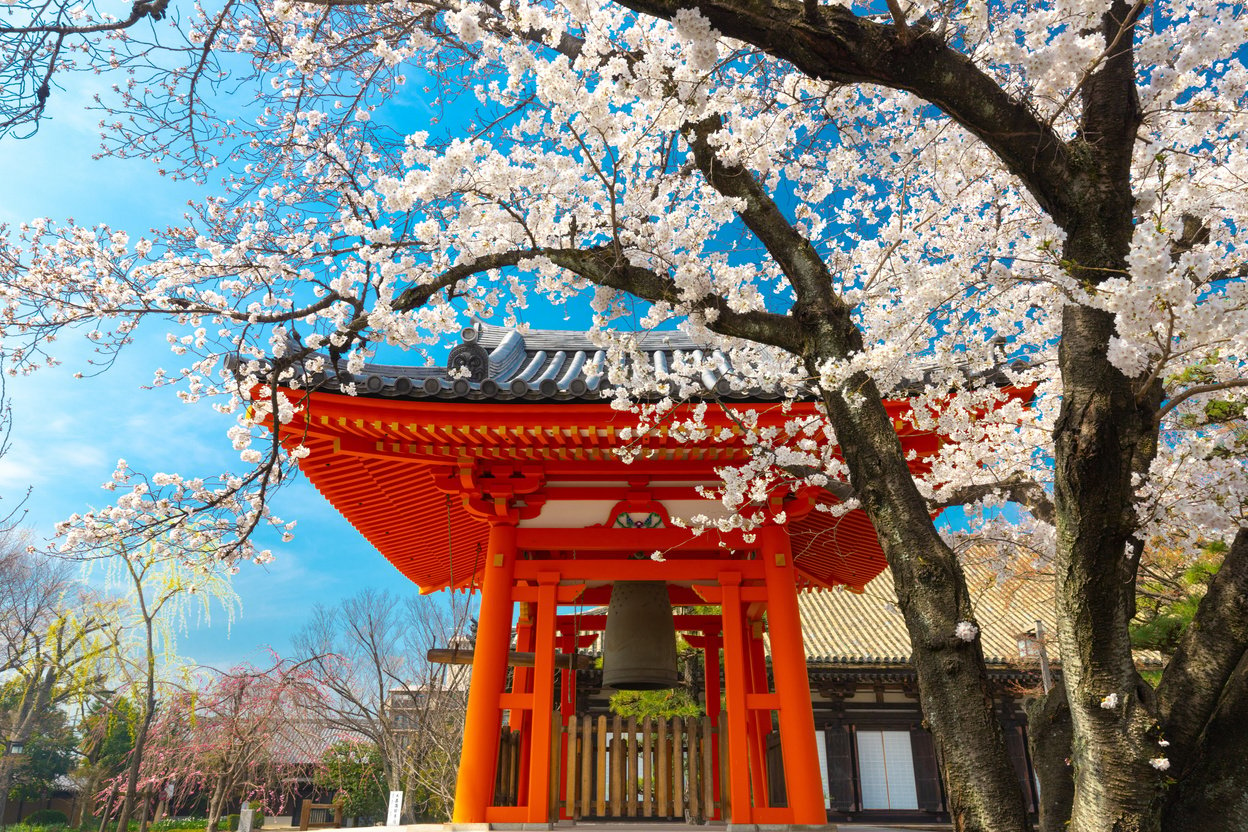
846,628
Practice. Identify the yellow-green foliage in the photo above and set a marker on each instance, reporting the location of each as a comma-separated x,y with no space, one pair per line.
655,704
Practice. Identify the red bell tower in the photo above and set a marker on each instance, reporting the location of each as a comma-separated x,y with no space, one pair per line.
504,477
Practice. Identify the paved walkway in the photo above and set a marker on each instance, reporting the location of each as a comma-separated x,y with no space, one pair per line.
663,827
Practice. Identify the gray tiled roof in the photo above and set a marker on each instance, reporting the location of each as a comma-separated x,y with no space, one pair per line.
503,364
544,365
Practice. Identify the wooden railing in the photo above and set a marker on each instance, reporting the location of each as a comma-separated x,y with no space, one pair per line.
627,768
320,816
507,778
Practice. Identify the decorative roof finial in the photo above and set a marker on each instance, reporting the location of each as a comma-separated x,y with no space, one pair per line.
470,355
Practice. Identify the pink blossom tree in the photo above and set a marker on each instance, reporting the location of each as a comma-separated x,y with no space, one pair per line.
239,736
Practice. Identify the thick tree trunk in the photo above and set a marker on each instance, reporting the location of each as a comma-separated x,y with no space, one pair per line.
1212,797
1104,437
981,785
1049,737
1096,436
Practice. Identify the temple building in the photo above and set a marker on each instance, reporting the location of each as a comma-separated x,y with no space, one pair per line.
500,474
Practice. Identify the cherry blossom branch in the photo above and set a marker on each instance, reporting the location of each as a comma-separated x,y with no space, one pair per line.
1125,28
1200,389
841,47
1027,493
602,266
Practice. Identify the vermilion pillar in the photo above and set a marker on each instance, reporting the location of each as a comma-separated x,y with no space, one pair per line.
711,642
803,784
567,707
543,698
474,786
735,681
522,677
521,719
759,718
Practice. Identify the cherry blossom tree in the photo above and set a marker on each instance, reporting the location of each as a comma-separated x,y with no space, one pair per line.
229,739
854,201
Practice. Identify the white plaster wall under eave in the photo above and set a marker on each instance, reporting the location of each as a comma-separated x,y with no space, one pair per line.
579,514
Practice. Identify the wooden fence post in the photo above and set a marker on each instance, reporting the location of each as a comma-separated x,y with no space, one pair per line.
647,769
708,768
663,774
600,802
691,730
617,760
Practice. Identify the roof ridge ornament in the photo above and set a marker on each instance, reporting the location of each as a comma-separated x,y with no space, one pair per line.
469,355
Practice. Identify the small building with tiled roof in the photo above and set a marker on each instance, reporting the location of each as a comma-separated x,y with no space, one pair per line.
878,757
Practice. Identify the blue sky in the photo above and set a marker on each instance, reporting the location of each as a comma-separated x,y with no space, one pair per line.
68,434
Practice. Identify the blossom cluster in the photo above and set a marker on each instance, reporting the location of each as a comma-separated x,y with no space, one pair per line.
335,235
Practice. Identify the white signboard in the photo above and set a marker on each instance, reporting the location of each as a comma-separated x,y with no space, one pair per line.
396,809
244,819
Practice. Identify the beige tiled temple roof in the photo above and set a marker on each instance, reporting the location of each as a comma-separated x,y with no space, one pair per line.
842,627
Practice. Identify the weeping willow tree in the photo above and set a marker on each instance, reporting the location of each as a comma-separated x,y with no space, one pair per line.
161,593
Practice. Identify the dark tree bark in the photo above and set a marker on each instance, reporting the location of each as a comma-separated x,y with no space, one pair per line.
980,782
1105,434
1212,798
1049,737
1209,651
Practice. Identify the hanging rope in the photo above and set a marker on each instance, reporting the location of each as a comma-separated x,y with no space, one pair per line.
476,566
456,623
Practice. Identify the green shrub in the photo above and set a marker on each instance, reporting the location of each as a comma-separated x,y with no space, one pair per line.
231,823
47,817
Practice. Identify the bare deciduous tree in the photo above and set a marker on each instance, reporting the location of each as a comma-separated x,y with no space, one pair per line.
370,654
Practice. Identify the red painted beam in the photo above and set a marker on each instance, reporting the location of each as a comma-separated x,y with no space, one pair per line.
598,622
628,540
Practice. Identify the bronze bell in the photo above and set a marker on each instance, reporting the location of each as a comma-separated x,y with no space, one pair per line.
639,645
